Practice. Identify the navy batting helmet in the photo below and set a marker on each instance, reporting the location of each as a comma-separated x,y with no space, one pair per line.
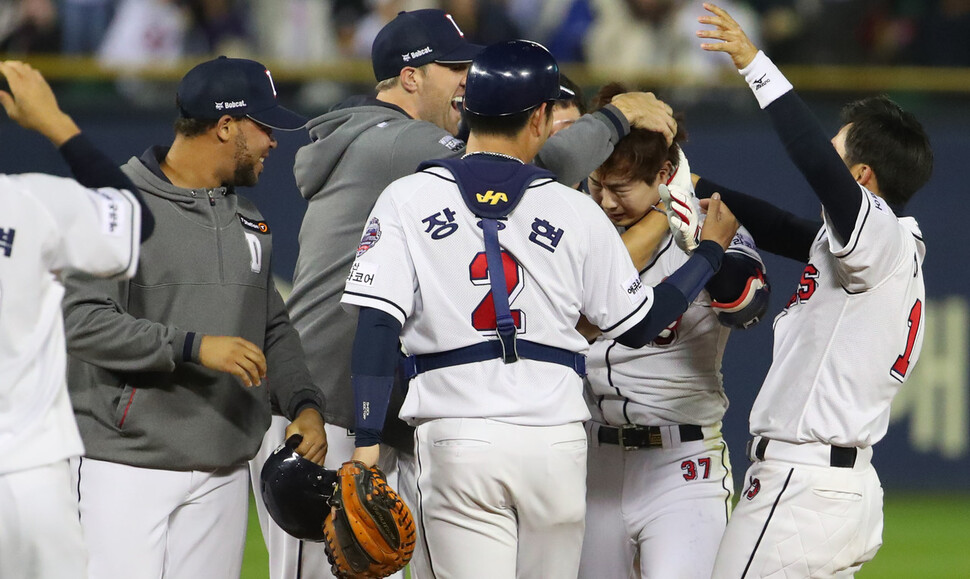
297,492
512,77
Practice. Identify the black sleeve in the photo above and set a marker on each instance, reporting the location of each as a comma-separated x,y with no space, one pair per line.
674,295
773,229
816,158
92,168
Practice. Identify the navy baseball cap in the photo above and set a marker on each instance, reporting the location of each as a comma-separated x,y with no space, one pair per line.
417,38
237,87
512,77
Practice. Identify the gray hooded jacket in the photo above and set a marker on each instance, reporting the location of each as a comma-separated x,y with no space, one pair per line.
355,153
140,396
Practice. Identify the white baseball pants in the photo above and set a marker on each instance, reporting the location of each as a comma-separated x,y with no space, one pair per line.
143,523
498,500
800,517
40,535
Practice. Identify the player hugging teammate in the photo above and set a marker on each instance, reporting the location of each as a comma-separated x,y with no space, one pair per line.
659,473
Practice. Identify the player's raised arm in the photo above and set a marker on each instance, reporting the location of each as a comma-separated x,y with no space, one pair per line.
31,104
799,130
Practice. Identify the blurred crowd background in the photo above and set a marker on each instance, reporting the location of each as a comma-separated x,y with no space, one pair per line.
609,33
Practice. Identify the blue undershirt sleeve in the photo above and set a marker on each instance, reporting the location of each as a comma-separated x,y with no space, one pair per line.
373,363
674,295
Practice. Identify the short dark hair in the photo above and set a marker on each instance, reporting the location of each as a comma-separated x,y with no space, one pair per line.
892,142
641,154
504,126
187,127
578,100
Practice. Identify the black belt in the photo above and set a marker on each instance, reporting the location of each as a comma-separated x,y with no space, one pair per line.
632,437
839,456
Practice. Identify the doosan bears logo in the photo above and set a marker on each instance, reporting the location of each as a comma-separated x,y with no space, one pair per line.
371,235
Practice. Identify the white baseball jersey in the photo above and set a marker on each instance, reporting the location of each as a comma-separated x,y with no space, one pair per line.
676,378
422,260
850,335
48,224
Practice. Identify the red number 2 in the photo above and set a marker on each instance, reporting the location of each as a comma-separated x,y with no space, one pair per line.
901,366
483,318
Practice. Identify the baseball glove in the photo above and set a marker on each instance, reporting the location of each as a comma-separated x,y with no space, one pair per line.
370,532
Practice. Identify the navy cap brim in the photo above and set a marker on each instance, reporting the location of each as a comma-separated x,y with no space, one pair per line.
464,53
279,118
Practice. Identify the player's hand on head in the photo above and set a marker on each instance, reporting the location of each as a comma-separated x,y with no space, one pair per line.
241,358
732,38
308,424
645,111
720,224
32,105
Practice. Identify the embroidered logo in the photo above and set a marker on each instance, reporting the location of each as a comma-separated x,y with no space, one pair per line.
754,487
759,83
230,105
492,197
371,235
408,56
253,225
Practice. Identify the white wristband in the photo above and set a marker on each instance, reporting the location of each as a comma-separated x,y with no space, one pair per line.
766,81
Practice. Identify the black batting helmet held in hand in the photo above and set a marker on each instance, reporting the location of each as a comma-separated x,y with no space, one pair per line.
297,492
512,77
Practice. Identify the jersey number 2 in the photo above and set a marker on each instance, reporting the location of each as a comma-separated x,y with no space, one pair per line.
483,318
901,366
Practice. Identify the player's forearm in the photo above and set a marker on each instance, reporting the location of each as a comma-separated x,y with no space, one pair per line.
373,365
101,333
806,143
673,296
92,168
572,154
773,229
642,238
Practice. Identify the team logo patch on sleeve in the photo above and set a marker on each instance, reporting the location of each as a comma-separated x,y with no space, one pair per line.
253,224
371,236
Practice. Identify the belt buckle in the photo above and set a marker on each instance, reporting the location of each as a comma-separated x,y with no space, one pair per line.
619,436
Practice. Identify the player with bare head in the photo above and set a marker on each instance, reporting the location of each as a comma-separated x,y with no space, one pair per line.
848,338
49,224
481,266
659,474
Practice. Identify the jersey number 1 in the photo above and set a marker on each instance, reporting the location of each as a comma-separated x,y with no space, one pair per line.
483,318
901,366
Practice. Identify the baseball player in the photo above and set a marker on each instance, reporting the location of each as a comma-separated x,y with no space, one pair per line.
486,263
659,476
420,60
48,224
848,338
173,375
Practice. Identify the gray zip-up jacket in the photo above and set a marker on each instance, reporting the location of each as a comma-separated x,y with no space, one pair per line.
357,151
140,396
